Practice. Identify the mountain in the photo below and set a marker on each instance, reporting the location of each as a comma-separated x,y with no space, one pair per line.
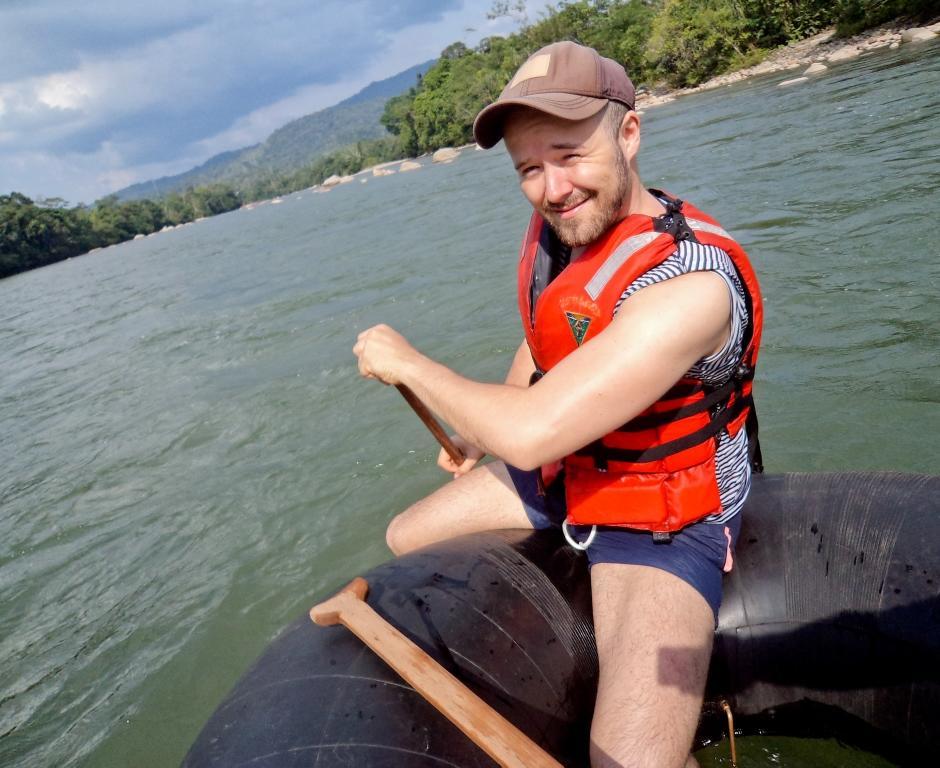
293,145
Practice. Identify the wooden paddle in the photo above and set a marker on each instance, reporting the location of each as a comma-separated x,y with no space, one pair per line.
431,423
485,727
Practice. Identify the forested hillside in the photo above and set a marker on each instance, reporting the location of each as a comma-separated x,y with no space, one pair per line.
292,146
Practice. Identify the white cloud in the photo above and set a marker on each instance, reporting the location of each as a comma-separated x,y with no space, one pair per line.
402,49
65,91
105,94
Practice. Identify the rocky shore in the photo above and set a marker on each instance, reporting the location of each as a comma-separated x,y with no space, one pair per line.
811,56
814,54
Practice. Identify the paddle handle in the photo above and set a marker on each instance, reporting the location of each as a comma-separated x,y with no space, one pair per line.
456,455
485,727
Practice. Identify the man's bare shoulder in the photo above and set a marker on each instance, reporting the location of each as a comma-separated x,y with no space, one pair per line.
692,311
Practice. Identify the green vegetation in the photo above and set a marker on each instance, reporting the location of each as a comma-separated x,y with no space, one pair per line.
856,15
35,234
676,43
661,42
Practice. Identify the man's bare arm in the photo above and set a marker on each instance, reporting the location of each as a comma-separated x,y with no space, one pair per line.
520,371
659,333
521,368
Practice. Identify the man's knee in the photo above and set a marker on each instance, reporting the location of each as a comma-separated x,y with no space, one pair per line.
413,528
398,536
482,500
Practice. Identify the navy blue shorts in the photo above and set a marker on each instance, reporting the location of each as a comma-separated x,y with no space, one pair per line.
699,554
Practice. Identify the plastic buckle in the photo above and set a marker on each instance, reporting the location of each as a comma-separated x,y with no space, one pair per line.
662,537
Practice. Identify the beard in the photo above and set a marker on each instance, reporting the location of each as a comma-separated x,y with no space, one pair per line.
588,225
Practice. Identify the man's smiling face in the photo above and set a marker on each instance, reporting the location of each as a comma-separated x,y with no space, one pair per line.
572,172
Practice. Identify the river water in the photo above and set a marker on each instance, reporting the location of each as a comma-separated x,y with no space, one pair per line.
188,459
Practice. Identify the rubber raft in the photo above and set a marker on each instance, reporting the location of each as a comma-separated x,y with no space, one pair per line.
830,626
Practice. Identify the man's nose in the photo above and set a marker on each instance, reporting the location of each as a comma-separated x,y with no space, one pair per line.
558,186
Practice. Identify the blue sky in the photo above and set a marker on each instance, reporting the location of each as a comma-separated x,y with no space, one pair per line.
98,95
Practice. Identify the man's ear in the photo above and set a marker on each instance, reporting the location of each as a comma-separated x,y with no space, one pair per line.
629,135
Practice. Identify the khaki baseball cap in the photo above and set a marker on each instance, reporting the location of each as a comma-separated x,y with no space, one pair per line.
566,80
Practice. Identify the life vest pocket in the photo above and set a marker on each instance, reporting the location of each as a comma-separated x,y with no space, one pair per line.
649,501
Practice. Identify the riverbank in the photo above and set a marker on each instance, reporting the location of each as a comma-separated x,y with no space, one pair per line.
821,49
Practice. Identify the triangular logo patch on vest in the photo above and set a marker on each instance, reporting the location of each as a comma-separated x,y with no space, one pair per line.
579,325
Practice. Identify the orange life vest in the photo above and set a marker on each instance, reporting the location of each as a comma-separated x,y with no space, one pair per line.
657,472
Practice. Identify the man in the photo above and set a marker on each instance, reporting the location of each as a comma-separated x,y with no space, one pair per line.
642,321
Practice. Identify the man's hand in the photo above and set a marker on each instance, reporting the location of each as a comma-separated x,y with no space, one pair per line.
383,354
471,453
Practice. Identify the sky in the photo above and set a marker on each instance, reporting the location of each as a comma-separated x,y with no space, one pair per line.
95,96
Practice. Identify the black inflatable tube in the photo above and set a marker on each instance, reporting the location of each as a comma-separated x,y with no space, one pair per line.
830,621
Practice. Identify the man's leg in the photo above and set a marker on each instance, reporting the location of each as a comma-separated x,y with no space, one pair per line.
654,637
484,499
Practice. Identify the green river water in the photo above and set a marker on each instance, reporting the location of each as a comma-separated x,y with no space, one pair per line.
188,459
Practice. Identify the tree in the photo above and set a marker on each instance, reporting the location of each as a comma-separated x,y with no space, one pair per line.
692,40
513,9
398,120
455,51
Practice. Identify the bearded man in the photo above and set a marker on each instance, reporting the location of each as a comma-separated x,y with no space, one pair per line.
626,416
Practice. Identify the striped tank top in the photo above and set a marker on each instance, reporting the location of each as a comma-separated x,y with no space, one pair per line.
733,468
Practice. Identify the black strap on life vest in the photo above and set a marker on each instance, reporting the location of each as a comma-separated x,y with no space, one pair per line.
725,403
753,441
712,399
673,220
721,417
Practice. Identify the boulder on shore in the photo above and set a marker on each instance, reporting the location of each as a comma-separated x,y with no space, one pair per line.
330,181
917,35
815,68
445,155
844,53
792,81
382,171
409,165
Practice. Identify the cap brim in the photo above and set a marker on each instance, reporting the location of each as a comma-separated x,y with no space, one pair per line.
488,126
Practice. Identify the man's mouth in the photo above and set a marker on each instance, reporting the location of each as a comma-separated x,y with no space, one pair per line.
569,209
